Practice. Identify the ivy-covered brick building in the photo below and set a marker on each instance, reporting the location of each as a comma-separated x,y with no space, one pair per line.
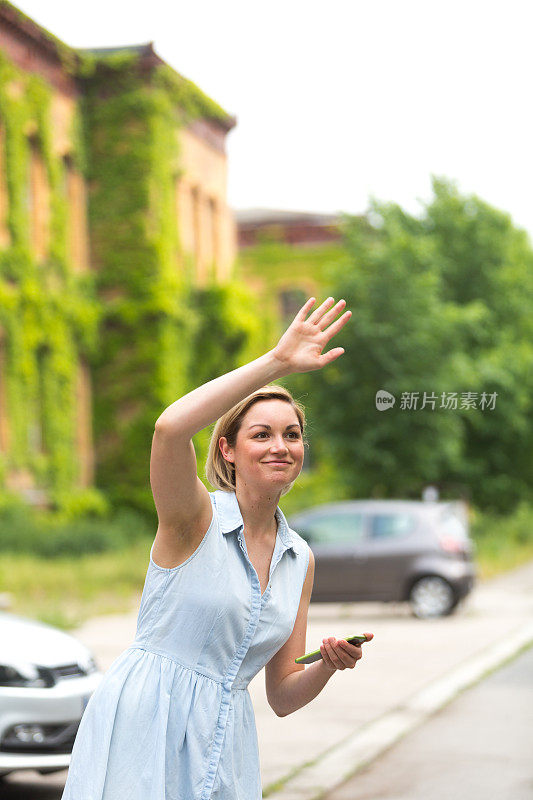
116,256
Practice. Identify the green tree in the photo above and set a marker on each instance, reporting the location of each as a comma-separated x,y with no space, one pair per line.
441,303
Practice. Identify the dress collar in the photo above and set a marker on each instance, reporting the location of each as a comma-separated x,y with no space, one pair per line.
231,518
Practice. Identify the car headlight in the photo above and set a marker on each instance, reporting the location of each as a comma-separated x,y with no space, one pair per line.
21,674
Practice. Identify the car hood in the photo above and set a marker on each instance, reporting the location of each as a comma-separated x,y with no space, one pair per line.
26,640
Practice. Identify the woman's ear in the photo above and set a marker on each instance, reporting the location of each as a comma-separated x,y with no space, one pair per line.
225,449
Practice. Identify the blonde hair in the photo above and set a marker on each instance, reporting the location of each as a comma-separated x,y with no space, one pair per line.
221,473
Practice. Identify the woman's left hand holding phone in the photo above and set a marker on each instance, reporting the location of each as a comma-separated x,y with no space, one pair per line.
340,654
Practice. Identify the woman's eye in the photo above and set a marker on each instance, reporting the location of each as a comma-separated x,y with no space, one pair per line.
294,434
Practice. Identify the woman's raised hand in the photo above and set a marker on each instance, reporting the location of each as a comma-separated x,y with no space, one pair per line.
300,347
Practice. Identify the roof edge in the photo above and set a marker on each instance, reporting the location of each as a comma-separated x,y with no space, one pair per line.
40,35
209,108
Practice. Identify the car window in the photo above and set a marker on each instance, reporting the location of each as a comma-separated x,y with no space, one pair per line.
388,526
334,527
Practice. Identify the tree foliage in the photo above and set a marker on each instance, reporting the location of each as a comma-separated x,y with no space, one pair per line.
441,304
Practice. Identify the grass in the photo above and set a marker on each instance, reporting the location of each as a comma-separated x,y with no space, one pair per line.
67,589
502,542
493,558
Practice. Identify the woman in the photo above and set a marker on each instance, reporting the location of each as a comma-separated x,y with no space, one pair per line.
227,592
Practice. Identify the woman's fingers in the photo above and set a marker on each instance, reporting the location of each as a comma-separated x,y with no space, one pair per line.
318,312
305,308
331,355
330,316
340,654
348,659
322,317
326,658
339,657
300,348
335,327
353,650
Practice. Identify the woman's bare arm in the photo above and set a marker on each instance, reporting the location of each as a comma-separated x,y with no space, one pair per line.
196,410
181,499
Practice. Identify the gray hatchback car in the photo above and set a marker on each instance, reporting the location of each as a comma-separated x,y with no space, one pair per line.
391,551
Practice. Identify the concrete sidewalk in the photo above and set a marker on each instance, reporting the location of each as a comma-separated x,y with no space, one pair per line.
480,746
409,670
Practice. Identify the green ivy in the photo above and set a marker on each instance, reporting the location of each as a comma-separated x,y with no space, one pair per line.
161,335
48,311
147,331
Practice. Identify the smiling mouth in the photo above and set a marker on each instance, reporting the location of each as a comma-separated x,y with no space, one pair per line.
277,462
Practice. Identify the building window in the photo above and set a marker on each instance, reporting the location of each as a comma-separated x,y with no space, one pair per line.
84,424
214,231
37,428
4,204
74,188
38,202
196,234
185,218
4,433
197,229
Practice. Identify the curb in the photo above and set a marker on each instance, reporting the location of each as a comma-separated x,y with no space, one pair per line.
341,762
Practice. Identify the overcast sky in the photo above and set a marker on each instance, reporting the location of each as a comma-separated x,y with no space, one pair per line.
342,100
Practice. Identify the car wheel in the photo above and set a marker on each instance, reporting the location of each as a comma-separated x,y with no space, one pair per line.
432,596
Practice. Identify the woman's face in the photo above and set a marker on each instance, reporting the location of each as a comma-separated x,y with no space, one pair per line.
269,450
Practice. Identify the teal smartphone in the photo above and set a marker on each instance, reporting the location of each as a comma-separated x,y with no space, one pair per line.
308,658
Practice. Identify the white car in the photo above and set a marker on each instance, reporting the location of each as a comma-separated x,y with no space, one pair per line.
46,679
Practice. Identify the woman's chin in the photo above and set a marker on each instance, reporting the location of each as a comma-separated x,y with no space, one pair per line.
281,480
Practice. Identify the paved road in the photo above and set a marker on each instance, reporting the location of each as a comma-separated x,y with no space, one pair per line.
405,656
479,747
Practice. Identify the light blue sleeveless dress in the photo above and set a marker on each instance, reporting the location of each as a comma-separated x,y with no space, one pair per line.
172,718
